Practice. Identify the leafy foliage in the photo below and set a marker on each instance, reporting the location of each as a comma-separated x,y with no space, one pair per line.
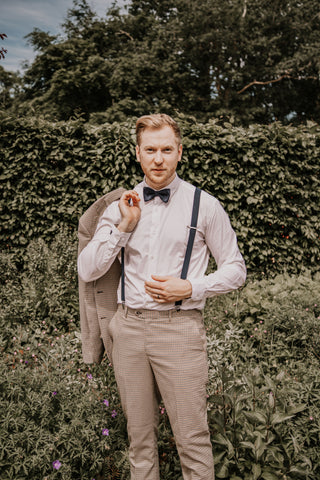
10,86
3,51
266,177
41,285
63,419
256,61
261,360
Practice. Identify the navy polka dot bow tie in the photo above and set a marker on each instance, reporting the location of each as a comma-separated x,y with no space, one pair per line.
149,194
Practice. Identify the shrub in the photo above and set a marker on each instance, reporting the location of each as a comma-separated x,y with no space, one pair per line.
58,409
264,386
266,177
43,286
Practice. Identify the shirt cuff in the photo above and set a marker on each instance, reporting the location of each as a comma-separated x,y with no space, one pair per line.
118,238
198,289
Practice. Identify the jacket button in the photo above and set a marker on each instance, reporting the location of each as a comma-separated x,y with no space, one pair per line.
138,313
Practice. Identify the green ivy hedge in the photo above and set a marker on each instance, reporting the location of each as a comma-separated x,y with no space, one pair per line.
266,177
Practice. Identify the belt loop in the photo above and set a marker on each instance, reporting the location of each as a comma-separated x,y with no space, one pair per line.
125,311
170,315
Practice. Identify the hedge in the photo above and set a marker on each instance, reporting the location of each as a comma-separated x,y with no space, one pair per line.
266,177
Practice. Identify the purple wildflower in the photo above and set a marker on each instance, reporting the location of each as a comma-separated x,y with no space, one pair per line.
89,376
113,413
106,402
56,464
105,432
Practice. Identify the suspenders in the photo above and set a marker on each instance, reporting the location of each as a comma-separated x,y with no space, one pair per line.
122,276
192,233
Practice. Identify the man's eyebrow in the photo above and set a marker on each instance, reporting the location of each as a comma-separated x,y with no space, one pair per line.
169,145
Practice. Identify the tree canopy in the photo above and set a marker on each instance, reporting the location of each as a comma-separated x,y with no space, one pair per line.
254,61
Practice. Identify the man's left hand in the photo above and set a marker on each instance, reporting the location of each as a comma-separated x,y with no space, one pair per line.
166,289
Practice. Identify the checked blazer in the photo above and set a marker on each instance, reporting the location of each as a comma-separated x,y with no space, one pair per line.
97,299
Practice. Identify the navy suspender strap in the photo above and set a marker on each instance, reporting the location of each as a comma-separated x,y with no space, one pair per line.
122,276
192,233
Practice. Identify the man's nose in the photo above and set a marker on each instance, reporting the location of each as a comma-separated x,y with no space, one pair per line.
158,157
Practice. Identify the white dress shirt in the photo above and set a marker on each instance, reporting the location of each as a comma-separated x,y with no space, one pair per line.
158,244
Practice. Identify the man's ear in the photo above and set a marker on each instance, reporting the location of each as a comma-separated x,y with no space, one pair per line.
180,151
138,153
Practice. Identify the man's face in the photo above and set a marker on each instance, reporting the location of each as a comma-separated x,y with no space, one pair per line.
159,154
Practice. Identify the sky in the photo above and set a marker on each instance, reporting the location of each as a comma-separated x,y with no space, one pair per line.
20,17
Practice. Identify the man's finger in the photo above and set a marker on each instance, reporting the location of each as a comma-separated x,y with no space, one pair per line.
153,285
154,290
160,278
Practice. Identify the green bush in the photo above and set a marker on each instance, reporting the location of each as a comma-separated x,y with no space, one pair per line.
267,178
55,409
45,287
263,391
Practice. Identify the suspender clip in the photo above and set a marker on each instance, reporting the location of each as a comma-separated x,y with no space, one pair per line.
193,228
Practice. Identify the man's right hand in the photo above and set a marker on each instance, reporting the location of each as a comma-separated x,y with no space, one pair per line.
130,211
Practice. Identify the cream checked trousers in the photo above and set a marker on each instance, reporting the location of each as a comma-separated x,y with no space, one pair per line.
163,354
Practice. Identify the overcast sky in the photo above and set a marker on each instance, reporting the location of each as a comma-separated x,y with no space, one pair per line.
20,17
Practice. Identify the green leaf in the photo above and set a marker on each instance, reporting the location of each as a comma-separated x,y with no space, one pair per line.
269,476
280,418
256,471
256,417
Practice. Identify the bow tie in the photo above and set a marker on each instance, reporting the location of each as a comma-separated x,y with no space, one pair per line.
149,194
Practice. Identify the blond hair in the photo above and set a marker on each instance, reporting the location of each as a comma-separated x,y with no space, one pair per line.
156,120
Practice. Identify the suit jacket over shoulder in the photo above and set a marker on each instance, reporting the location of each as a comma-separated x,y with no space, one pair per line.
97,299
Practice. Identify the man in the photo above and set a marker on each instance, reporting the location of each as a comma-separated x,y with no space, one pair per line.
159,350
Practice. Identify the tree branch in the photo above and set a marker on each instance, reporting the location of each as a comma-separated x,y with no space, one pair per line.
275,80
255,82
122,32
